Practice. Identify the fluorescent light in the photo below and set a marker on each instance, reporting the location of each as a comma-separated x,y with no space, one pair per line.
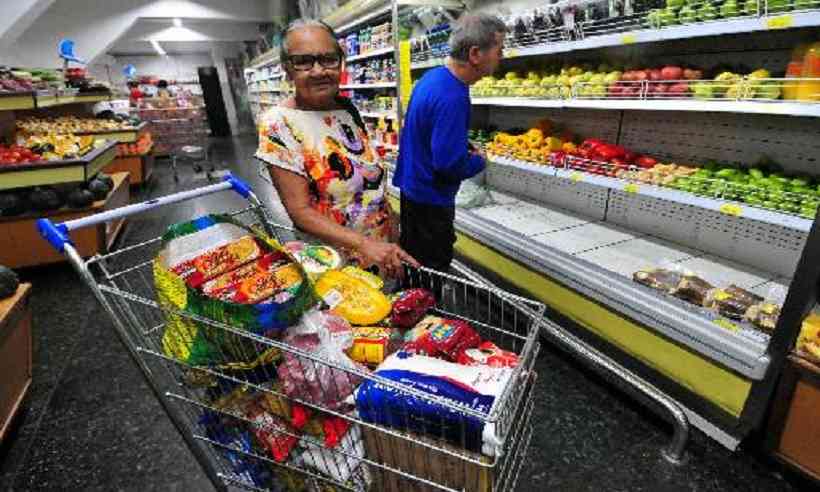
157,47
177,22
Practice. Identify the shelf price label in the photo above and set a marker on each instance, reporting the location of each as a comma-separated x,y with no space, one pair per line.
731,209
510,52
629,39
780,22
726,325
576,176
631,188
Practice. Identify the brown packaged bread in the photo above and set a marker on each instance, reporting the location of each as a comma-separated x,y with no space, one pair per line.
764,315
692,288
731,302
658,278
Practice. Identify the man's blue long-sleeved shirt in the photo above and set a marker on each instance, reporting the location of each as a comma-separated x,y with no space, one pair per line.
433,153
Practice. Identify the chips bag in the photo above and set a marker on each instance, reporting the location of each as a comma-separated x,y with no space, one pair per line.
410,306
441,337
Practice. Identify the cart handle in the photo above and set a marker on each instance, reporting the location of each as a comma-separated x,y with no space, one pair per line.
57,234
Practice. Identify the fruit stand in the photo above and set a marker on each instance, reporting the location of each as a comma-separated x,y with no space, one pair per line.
652,179
15,354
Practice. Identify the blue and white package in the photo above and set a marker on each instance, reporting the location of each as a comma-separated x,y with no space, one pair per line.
470,387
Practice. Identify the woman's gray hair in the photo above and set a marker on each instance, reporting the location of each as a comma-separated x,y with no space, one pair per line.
474,30
302,23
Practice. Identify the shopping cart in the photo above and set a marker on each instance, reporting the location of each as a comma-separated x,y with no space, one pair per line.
432,452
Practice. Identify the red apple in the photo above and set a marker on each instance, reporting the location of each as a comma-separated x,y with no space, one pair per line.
628,76
692,74
640,75
671,73
679,89
654,74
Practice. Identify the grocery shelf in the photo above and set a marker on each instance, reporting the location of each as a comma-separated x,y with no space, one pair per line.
427,64
55,172
597,259
782,108
738,209
376,85
685,31
370,54
359,19
16,100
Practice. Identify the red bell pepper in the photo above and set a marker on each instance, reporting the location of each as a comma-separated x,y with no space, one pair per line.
645,162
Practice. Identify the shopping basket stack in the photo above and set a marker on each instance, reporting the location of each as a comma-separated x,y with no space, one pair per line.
284,392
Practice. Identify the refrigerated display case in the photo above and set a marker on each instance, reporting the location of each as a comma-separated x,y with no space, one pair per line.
573,232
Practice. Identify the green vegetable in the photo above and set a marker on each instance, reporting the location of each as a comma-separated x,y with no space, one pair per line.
756,173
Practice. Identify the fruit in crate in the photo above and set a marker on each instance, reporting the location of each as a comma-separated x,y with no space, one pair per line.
729,9
70,124
707,12
61,147
17,154
687,14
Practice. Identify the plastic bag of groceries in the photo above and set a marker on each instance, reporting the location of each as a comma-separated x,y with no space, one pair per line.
322,380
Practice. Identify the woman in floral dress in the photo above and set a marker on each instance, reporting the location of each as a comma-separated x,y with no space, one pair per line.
329,177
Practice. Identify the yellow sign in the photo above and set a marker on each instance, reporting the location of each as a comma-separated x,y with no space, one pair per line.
726,324
576,176
631,188
731,209
629,39
780,22
404,70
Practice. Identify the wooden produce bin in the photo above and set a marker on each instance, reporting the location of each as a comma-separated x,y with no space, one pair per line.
21,244
139,167
15,354
794,429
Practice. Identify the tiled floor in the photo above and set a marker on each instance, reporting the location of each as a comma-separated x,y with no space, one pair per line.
91,423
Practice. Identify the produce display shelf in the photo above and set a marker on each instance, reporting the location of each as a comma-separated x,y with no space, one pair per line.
377,85
370,54
129,135
686,31
378,114
147,152
597,259
140,167
783,108
16,100
21,244
55,172
737,209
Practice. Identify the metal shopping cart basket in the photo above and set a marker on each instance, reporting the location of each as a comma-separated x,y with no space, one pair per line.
444,447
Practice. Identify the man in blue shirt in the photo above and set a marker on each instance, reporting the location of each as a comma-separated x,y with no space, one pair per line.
434,154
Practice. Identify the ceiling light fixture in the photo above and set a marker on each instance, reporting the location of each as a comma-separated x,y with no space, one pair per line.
177,22
158,48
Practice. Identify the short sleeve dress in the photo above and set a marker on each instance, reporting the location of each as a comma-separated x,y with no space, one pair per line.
345,174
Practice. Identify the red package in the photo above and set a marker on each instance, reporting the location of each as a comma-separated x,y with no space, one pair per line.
441,337
272,433
217,261
488,354
410,306
267,263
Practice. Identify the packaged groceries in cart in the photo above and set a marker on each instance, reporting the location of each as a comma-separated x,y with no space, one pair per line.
282,377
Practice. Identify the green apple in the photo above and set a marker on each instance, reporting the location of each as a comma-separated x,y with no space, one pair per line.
707,12
729,9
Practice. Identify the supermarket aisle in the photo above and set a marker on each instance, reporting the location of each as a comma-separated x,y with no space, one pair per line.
92,424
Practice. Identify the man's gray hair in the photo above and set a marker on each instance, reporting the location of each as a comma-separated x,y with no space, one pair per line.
474,30
302,23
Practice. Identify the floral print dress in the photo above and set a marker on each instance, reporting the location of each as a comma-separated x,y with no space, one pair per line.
345,174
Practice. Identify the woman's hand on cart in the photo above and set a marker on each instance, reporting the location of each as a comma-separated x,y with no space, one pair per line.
388,256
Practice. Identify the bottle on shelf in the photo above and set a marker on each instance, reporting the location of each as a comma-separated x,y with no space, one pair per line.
809,90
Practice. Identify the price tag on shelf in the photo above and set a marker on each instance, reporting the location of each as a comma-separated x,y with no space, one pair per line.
510,52
629,39
576,176
731,209
726,324
631,188
780,22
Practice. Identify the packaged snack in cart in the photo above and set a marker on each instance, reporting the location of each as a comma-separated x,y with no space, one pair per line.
441,337
372,344
488,354
328,337
410,306
352,298
261,286
315,258
272,433
267,263
216,261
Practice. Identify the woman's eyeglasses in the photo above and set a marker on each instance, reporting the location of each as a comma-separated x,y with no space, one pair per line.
306,62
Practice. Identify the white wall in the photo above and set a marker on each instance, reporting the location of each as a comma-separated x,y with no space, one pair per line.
219,52
18,15
95,25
